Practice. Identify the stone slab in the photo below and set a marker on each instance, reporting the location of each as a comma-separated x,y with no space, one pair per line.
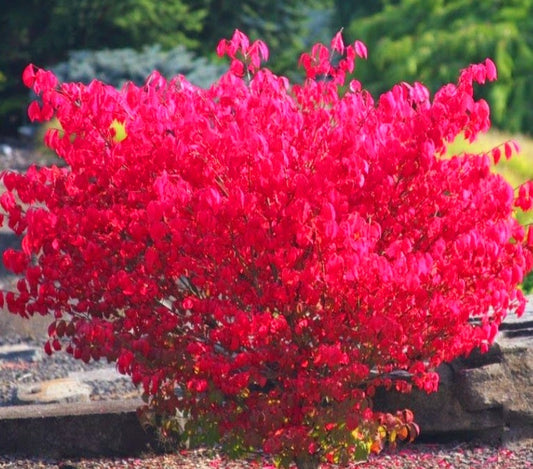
74,430
441,416
23,352
485,387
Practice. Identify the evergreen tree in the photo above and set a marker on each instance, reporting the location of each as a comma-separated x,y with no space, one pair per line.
347,10
44,33
433,40
283,24
117,66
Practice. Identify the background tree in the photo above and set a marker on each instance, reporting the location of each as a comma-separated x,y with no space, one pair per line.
433,40
285,25
408,39
117,66
44,33
346,10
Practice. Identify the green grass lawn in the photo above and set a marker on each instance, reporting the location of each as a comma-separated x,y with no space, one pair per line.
516,170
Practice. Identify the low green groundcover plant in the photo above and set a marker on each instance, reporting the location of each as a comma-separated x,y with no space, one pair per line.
261,256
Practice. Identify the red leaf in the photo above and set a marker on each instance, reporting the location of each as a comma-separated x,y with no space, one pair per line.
496,154
508,150
16,261
28,75
491,70
360,49
337,44
222,48
34,112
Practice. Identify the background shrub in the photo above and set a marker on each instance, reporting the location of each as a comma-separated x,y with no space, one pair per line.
117,66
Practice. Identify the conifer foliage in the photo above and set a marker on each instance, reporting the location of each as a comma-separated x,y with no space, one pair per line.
430,41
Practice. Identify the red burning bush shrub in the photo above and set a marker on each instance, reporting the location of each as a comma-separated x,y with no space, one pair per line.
261,256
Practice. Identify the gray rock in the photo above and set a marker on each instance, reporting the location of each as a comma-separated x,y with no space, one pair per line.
486,387
75,430
441,415
62,390
6,150
486,396
21,352
27,131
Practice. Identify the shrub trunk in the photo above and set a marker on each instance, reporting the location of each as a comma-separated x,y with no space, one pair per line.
307,461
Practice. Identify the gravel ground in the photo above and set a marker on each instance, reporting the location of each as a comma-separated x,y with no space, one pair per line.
20,154
59,365
463,456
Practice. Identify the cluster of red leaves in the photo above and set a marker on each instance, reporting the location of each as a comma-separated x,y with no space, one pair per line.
262,255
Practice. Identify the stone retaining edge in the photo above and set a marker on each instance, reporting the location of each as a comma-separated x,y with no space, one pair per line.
101,428
112,428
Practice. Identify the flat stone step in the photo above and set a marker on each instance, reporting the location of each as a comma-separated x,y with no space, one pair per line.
107,428
517,332
522,332
513,322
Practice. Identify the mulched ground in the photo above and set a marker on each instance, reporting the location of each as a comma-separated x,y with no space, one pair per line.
421,456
